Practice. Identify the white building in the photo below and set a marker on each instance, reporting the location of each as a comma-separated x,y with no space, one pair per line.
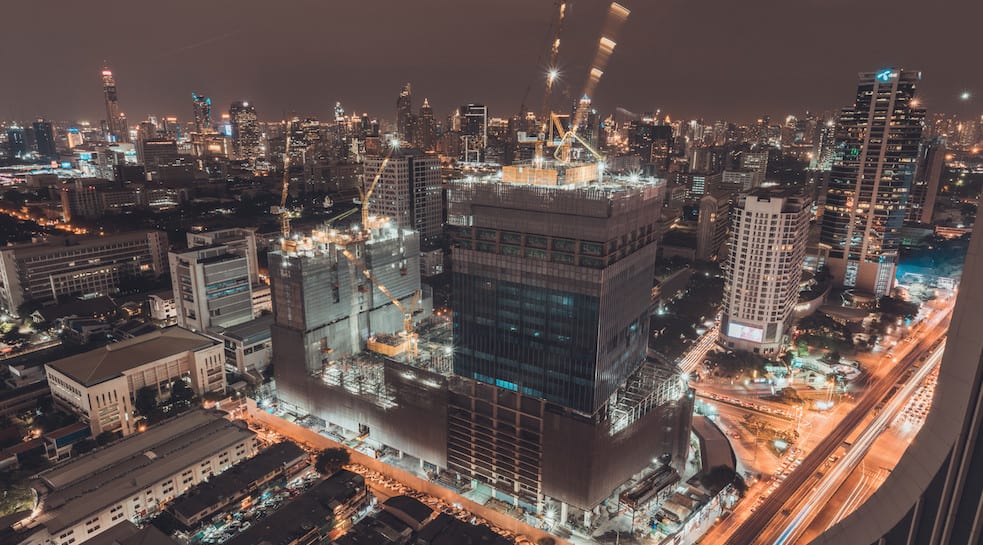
211,287
163,310
130,480
248,347
768,239
101,384
240,241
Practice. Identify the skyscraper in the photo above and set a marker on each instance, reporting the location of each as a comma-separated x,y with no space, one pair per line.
921,204
202,107
769,232
408,191
44,139
115,122
551,298
934,496
426,137
874,166
245,131
404,114
16,141
474,132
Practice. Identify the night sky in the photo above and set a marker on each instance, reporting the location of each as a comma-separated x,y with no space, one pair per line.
691,58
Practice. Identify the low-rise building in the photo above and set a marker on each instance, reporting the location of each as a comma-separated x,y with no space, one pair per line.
101,384
284,459
248,347
323,511
83,498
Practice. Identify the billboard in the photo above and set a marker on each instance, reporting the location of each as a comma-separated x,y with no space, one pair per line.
743,332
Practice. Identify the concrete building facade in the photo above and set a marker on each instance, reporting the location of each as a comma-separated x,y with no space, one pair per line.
211,287
61,267
768,240
101,385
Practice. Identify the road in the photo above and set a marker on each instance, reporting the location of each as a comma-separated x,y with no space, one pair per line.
792,527
698,352
801,480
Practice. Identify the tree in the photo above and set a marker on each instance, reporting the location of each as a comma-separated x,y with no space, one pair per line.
897,307
28,307
105,438
330,460
181,393
85,445
718,478
145,401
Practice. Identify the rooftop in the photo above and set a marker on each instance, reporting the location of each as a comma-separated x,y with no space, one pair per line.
258,327
126,533
112,360
237,479
311,510
85,485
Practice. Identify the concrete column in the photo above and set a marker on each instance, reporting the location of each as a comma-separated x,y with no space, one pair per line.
587,515
539,504
563,512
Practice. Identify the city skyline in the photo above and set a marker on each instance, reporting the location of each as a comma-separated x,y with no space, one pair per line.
364,66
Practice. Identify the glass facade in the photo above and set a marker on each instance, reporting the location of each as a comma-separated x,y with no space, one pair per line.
539,341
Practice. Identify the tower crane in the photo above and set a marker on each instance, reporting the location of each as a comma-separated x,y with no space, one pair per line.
616,17
285,191
552,72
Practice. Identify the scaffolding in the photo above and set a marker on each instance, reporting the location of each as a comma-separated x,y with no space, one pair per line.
649,388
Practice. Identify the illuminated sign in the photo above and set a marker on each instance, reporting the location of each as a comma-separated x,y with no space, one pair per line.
66,165
885,75
738,331
85,156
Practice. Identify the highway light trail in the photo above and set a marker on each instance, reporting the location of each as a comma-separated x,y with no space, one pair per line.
834,479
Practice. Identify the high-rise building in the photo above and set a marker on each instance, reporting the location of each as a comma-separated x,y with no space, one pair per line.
404,114
769,232
245,132
651,142
408,191
426,137
239,240
712,224
44,139
876,158
934,495
925,188
552,291
115,121
474,132
824,145
756,161
211,287
202,107
326,307
16,141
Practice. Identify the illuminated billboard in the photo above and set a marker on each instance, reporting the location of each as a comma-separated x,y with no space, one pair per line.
743,332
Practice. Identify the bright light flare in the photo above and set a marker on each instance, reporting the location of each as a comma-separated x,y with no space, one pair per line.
551,75
966,95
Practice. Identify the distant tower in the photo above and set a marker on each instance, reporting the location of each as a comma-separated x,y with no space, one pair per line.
473,119
404,114
115,122
203,112
44,139
426,128
245,131
872,173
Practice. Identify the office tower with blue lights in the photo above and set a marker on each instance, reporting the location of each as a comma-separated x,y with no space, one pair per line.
553,398
870,180
202,110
